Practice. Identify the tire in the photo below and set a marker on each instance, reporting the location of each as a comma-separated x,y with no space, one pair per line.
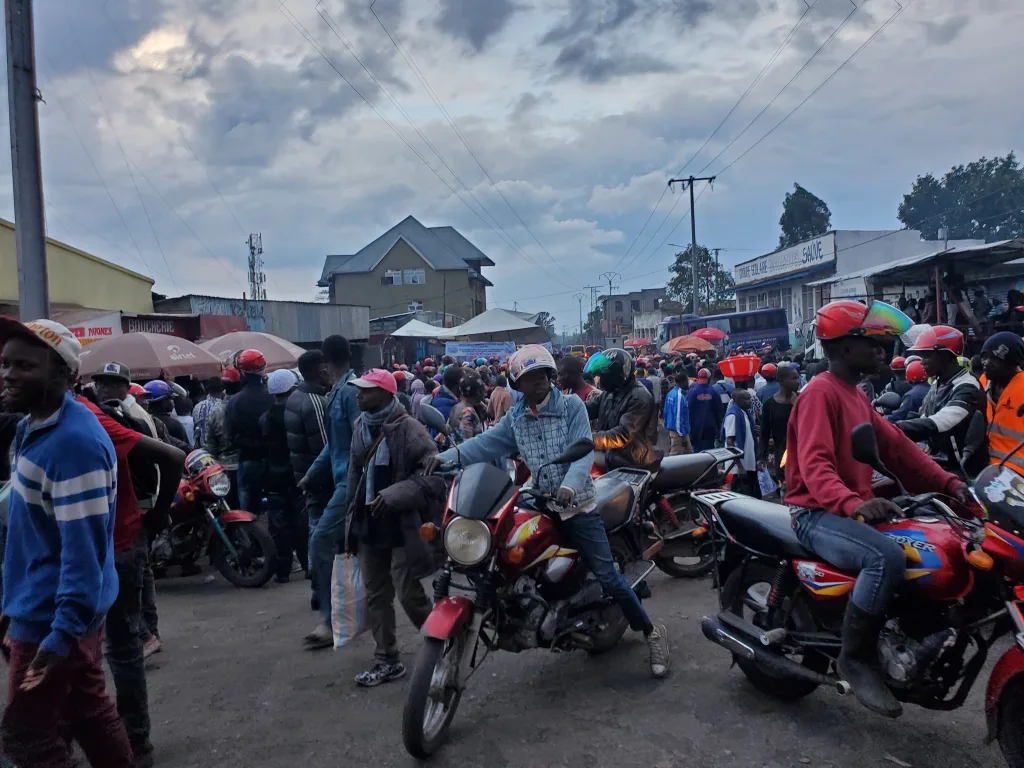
615,622
700,561
737,586
422,739
256,550
1011,724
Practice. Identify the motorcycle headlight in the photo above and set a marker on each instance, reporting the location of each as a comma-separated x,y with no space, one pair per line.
220,485
467,542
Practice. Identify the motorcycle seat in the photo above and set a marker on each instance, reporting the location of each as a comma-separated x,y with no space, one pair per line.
762,526
614,501
678,473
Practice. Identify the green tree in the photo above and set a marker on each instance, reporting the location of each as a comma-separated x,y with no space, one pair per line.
546,321
592,327
804,215
714,284
983,199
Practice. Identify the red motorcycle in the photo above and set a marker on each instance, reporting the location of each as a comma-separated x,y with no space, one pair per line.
521,586
782,607
201,522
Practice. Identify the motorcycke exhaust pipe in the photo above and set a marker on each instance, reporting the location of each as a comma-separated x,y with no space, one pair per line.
745,640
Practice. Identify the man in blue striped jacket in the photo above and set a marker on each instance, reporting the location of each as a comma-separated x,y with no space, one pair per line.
59,577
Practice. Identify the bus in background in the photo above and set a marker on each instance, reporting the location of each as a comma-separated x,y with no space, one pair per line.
756,328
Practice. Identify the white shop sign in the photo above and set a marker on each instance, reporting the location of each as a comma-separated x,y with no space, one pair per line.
808,255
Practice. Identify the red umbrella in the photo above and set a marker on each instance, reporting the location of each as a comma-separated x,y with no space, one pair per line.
151,356
686,344
278,352
714,335
637,343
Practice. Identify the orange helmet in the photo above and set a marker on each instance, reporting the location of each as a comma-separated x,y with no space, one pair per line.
915,373
251,361
940,338
847,317
898,364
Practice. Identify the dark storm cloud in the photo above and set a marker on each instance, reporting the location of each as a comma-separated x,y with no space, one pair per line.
944,32
475,21
586,61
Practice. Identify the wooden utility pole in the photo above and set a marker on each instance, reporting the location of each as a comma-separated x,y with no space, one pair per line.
26,167
689,181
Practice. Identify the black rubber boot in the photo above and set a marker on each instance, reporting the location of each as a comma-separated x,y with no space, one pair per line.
858,663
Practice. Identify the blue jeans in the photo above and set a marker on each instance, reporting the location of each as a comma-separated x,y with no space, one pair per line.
853,546
330,530
250,485
586,533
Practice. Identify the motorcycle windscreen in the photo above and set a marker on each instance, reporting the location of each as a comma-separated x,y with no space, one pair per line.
1001,492
479,491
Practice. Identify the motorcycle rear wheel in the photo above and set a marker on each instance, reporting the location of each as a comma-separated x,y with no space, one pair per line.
615,623
433,698
1011,732
685,558
745,586
257,553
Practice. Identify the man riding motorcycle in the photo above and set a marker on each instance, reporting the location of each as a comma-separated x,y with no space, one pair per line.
954,397
831,492
627,419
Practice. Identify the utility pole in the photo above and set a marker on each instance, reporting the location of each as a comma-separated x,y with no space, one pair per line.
26,166
693,231
257,279
579,298
610,277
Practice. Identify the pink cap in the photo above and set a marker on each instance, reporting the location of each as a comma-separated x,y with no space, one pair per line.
703,375
376,377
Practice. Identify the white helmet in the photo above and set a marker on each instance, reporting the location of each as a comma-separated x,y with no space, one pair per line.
280,382
529,358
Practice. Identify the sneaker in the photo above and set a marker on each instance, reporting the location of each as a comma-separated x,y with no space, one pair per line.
381,673
657,644
153,645
321,637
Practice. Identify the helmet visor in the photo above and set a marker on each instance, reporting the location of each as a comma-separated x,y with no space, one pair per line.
884,320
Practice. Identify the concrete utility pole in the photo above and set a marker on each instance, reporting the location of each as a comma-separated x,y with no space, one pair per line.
579,297
27,172
714,280
610,277
693,231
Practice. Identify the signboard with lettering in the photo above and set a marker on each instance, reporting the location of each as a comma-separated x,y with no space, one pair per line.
470,350
97,328
808,255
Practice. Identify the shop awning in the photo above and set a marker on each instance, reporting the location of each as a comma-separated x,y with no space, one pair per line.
786,278
417,329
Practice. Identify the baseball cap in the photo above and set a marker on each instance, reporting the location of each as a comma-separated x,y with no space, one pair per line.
703,375
117,371
280,382
376,377
51,333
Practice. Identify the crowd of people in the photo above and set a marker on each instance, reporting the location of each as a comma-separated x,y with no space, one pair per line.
339,461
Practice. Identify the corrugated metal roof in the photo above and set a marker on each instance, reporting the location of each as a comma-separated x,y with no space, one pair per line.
333,263
460,245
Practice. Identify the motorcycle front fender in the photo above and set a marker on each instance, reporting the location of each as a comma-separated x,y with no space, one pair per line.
449,617
1008,668
236,516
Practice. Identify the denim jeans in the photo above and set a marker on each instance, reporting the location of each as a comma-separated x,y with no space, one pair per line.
853,546
250,485
124,646
586,533
330,530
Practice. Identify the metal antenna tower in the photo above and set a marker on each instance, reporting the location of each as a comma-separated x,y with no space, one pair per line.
257,279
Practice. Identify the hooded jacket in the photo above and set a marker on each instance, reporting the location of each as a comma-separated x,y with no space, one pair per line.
627,427
306,422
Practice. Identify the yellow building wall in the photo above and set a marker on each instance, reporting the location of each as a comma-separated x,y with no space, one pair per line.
76,278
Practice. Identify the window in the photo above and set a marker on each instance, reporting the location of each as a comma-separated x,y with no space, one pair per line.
392,277
415,277
634,306
618,306
415,306
741,304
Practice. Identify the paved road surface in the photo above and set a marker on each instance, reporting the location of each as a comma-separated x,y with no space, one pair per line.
235,688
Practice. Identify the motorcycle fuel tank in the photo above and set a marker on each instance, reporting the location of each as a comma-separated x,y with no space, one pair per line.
534,539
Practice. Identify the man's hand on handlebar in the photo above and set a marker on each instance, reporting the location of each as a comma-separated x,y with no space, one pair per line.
565,496
434,463
877,511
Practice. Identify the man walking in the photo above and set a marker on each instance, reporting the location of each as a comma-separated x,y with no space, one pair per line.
284,507
242,415
332,463
59,574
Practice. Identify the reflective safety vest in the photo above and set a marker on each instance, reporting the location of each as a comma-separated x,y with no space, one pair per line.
1005,427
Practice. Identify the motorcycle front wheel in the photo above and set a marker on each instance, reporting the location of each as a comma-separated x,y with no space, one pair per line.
1011,732
433,696
254,565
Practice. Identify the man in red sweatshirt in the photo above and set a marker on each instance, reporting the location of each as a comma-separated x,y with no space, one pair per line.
831,492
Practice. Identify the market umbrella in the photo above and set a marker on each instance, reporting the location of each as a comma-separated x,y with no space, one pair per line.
150,356
637,343
278,352
714,335
686,344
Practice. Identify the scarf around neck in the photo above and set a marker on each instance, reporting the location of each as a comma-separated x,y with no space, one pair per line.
382,456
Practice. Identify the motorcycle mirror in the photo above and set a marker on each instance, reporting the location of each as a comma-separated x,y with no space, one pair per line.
433,419
889,400
575,452
864,446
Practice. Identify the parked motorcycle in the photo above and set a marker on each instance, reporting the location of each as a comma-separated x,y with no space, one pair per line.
782,607
520,586
201,522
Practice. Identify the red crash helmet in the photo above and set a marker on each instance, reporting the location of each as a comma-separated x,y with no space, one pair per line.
428,361
915,373
230,375
846,317
251,361
898,364
940,338
135,390
769,369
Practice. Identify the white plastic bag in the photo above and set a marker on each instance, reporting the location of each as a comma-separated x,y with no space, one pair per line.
348,600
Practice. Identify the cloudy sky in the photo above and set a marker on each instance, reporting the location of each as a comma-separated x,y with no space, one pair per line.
173,128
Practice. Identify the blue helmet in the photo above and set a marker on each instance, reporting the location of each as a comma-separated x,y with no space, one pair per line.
157,390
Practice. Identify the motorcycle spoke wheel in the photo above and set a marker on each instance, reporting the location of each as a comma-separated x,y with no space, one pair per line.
433,696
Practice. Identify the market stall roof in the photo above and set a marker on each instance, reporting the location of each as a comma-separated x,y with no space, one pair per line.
417,329
976,256
489,322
